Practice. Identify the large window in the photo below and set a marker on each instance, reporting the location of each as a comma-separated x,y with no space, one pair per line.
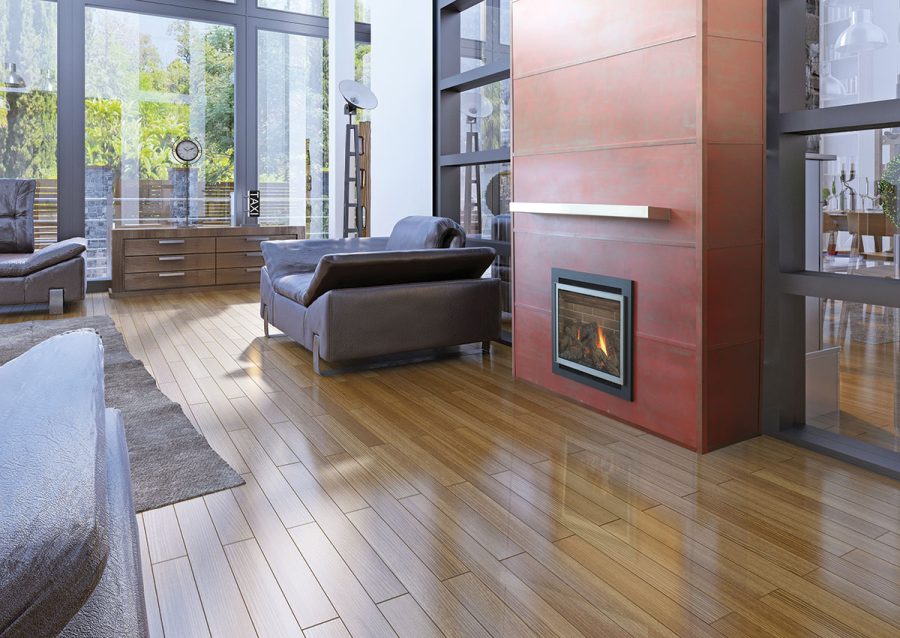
307,7
28,104
293,130
151,82
245,81
832,365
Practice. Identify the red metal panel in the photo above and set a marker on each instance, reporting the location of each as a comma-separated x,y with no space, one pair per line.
646,96
735,90
733,295
734,188
738,18
667,292
666,176
665,380
557,34
732,395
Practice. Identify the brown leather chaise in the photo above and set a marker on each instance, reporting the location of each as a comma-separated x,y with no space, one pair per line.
364,299
53,275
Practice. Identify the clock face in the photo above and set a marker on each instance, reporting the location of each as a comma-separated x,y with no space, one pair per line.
187,151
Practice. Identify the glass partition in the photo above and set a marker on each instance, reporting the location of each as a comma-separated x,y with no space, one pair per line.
484,34
852,184
853,370
853,52
485,118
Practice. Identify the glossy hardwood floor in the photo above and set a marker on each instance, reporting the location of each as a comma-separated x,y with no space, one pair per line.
447,499
869,394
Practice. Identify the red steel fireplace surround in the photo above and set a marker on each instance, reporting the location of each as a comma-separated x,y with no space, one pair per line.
662,107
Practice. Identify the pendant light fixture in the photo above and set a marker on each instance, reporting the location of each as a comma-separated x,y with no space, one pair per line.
11,77
862,35
46,83
831,86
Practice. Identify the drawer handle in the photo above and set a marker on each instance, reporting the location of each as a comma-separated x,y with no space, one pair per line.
252,269
253,255
171,242
171,274
257,238
172,258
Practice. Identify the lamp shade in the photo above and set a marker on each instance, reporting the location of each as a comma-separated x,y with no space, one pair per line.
11,77
862,35
831,87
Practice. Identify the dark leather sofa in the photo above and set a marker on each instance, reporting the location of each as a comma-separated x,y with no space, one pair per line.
350,300
69,557
53,275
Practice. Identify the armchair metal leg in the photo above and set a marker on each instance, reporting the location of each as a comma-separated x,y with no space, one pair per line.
266,320
315,352
57,301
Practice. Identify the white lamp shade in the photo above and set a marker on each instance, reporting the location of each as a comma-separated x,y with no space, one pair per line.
862,35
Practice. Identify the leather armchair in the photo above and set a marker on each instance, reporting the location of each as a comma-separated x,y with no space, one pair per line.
347,300
52,275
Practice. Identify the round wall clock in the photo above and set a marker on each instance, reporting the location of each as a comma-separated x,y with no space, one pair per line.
187,151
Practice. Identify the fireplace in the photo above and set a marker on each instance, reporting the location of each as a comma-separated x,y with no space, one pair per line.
592,330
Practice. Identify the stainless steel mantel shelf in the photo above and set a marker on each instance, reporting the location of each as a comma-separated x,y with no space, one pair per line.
594,210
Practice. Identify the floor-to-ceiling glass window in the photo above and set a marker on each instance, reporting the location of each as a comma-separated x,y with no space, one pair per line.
292,94
28,105
244,82
305,7
152,82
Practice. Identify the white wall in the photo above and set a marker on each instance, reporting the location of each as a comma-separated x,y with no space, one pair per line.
402,133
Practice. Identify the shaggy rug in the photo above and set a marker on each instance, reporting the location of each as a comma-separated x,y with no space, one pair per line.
170,460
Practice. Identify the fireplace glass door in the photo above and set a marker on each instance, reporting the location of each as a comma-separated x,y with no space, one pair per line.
592,330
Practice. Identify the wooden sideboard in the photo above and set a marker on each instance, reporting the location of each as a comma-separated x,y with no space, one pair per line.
152,259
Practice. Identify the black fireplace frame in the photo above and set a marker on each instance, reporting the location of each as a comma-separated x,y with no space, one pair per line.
623,287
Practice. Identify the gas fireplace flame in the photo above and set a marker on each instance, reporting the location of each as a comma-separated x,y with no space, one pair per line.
601,341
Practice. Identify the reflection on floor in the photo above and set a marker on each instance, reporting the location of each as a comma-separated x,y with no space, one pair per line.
869,338
449,499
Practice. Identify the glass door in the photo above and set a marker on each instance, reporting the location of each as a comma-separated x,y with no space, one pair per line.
159,125
289,128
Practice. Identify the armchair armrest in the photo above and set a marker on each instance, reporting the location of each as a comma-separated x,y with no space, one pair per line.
303,255
24,264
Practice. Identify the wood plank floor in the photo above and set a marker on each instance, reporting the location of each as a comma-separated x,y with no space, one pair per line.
448,499
869,395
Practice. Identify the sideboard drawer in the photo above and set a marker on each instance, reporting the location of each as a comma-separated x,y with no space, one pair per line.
165,280
225,276
174,246
169,263
249,243
249,259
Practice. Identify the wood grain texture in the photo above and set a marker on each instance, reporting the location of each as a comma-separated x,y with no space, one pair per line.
450,498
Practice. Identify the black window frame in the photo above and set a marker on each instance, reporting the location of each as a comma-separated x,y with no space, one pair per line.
787,282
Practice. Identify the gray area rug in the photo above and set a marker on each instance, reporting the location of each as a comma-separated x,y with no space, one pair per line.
170,460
